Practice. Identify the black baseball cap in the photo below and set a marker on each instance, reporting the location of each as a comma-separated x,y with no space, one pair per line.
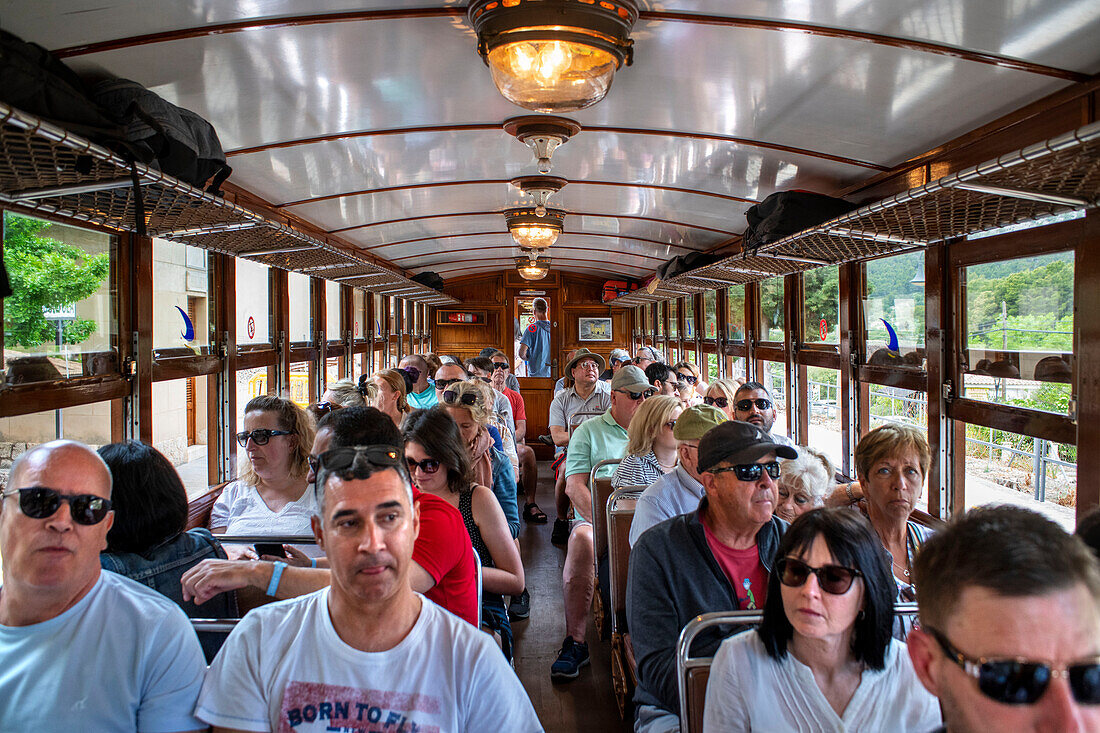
738,442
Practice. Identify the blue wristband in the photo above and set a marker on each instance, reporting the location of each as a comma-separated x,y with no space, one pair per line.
313,562
276,576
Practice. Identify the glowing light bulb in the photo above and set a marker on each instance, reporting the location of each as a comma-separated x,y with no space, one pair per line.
554,59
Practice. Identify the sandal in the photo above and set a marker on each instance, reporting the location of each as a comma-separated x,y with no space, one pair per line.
532,514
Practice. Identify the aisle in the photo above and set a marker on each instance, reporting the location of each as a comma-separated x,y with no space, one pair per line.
587,703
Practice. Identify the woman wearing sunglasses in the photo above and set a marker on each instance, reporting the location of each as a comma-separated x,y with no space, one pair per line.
650,448
720,394
823,657
391,398
438,464
271,497
685,371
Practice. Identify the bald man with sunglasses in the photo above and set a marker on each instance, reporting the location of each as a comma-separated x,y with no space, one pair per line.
83,648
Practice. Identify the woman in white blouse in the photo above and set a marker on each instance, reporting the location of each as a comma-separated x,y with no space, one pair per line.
823,658
650,448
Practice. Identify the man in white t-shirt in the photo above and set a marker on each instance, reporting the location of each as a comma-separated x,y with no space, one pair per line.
80,648
367,652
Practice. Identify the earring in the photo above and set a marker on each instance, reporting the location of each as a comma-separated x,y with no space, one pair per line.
862,615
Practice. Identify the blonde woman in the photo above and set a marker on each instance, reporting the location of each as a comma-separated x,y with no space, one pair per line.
346,393
469,403
803,483
688,372
271,497
720,394
392,397
650,448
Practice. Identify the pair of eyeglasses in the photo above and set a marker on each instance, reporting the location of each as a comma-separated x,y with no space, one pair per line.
357,461
39,502
689,378
746,405
671,424
487,380
645,395
500,365
260,436
750,471
833,579
428,465
451,397
442,384
1020,681
720,402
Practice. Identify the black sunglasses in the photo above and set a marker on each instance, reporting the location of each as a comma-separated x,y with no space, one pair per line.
1020,682
689,378
442,384
260,436
324,408
428,465
500,365
746,405
451,397
833,579
487,380
638,395
720,402
750,471
39,502
357,461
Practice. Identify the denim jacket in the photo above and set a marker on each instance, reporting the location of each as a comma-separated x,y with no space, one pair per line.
162,567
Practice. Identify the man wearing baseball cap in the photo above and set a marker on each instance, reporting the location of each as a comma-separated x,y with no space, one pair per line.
716,558
599,439
680,490
617,359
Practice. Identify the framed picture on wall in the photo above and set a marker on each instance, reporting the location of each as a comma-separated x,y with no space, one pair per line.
594,329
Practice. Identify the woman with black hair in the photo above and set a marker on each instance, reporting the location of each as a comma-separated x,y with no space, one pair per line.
823,658
440,465
147,541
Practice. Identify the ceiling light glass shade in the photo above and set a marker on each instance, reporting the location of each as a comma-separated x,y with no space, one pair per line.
553,55
533,230
534,271
535,237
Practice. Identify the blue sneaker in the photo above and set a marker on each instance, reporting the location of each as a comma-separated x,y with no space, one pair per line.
570,659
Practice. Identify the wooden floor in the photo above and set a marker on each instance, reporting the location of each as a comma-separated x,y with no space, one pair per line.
586,703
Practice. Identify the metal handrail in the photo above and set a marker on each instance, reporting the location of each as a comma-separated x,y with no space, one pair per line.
251,539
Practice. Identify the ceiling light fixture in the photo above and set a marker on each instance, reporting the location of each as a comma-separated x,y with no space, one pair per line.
530,230
543,134
540,188
530,267
553,55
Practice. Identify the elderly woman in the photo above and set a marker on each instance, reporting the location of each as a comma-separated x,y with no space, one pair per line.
468,404
393,387
720,394
439,464
650,448
272,496
803,483
823,658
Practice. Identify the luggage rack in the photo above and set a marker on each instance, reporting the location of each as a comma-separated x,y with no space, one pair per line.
49,170
1051,177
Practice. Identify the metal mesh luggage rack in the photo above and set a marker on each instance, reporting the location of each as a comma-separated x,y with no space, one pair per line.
48,170
1051,177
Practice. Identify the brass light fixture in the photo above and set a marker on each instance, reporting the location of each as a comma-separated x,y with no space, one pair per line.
539,188
554,55
543,134
532,231
530,267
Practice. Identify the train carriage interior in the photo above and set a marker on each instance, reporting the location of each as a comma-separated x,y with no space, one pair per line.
406,178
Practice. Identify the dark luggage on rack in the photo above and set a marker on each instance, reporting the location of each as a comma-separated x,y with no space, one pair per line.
683,263
429,279
175,140
789,212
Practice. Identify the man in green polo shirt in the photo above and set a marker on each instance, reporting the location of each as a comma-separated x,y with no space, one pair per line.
599,439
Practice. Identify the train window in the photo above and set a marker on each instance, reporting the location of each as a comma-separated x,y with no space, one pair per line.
180,429
735,313
893,311
647,327
333,372
253,302
358,314
301,308
393,358
710,315
90,423
689,317
821,306
771,310
358,366
59,320
1008,468
391,309
774,378
673,354
379,315
673,317
710,367
661,320
735,368
301,382
252,383
333,325
1019,331
824,402
181,298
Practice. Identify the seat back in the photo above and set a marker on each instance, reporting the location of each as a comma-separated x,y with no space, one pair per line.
620,514
198,509
693,672
600,489
579,417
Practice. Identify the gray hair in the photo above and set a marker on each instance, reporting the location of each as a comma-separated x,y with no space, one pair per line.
811,472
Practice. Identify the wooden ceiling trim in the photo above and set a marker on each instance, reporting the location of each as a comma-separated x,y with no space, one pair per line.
550,252
497,233
498,181
941,49
500,213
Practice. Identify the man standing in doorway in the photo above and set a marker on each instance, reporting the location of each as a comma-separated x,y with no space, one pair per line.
534,347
